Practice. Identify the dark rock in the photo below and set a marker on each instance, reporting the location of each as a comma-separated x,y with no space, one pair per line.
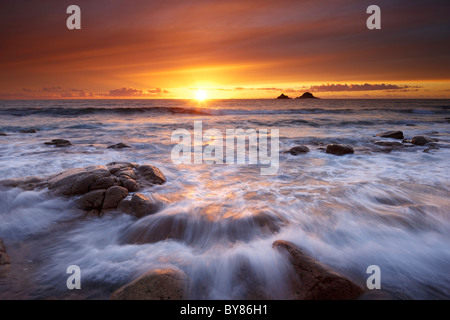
131,184
113,197
3,134
28,131
151,174
298,150
307,95
114,167
314,281
119,145
92,200
142,205
127,173
125,206
339,149
391,134
4,258
389,144
283,96
431,149
27,183
421,140
59,143
102,183
160,284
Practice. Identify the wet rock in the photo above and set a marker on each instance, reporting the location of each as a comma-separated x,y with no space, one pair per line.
127,173
389,144
151,174
307,95
314,281
27,183
3,134
119,145
32,130
115,167
131,184
4,258
92,200
421,140
160,284
339,149
59,143
298,150
76,181
283,96
431,149
142,205
113,197
102,183
391,134
124,206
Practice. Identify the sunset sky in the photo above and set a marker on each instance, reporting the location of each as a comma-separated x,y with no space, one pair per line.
229,49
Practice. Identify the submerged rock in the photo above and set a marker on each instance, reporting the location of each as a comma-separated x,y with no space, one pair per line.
307,95
59,143
159,284
339,149
314,281
391,134
421,140
3,134
119,145
142,205
389,144
32,130
298,150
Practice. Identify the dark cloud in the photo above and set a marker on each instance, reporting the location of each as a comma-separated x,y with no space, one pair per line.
362,87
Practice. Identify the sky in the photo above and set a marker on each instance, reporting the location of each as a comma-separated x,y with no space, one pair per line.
227,49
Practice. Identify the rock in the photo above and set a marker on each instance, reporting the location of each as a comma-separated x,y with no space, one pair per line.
151,174
159,284
27,183
4,258
142,205
3,134
391,134
102,183
76,181
421,140
307,95
283,96
130,184
298,150
114,167
389,144
127,173
125,206
339,149
314,281
92,200
113,197
28,131
119,146
59,143
431,149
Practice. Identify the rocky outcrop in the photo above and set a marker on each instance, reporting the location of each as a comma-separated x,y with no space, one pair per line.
307,95
421,140
283,96
119,145
4,258
391,134
298,150
339,149
59,143
159,284
314,281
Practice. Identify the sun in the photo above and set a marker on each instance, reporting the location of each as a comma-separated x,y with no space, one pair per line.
200,95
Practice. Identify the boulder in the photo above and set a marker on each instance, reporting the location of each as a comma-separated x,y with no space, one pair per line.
142,205
283,96
421,140
32,130
159,284
314,281
151,174
114,167
102,183
391,134
298,150
339,149
59,143
92,200
4,258
131,184
113,196
119,145
307,95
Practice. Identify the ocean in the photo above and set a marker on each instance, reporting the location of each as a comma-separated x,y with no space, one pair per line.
384,206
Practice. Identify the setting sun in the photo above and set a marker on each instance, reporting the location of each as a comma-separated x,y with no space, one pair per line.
200,95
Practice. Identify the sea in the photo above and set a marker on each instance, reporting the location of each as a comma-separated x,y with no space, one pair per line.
383,206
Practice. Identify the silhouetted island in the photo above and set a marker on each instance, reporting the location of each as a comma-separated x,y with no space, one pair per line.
307,95
283,96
